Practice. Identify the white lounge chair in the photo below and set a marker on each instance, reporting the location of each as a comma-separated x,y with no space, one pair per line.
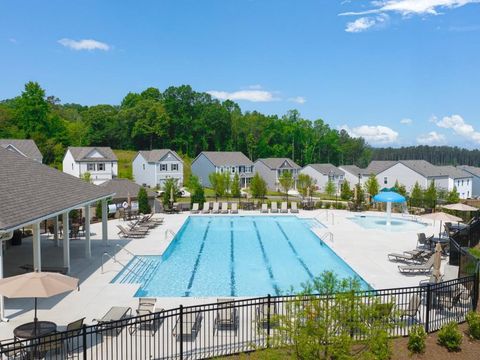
293,207
284,208
264,209
195,208
206,207
414,269
216,208
226,317
273,207
224,208
234,209
124,233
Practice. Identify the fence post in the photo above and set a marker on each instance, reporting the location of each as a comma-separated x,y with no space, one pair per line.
269,299
476,287
427,315
84,341
181,332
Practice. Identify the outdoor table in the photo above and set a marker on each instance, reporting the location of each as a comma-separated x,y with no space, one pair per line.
441,240
30,331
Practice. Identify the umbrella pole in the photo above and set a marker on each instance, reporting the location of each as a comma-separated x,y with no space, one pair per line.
389,213
35,320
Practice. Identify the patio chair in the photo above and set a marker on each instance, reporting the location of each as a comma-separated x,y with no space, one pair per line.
234,209
421,240
191,324
206,207
449,300
273,207
195,209
13,351
73,342
293,207
264,209
53,344
412,309
216,208
226,317
415,269
410,256
138,227
284,207
149,219
124,233
151,318
262,314
224,208
116,313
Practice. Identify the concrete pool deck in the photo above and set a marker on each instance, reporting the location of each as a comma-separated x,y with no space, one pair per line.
365,250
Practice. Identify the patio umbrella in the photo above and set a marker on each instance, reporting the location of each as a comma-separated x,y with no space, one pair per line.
389,197
437,261
441,216
37,285
460,207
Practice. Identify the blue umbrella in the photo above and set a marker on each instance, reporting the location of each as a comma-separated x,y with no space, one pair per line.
389,197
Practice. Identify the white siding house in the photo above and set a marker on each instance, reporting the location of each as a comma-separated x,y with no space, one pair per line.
271,169
24,147
233,162
152,168
475,173
100,162
354,174
321,173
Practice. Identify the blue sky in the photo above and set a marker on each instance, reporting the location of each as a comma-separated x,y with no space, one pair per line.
398,72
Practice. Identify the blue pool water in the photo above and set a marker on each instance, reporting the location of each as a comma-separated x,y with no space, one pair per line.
236,256
380,222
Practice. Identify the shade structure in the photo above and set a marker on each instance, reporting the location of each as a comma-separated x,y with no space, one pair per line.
37,285
437,262
441,216
389,197
460,207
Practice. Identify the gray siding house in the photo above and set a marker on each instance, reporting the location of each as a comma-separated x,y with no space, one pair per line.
321,173
232,162
271,169
152,168
24,147
475,173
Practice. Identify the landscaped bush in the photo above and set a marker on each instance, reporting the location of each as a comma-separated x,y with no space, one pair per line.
379,347
416,339
473,320
450,337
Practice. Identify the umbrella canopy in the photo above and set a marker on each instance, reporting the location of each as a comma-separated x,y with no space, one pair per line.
441,216
37,285
389,196
437,261
460,207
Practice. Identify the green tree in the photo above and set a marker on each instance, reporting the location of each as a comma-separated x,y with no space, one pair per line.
346,192
258,186
430,195
400,188
142,197
452,196
236,191
198,193
170,185
416,195
32,110
330,188
286,182
217,181
151,122
87,176
227,182
372,187
305,184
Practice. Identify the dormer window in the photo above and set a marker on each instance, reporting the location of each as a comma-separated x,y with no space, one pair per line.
174,167
101,166
90,166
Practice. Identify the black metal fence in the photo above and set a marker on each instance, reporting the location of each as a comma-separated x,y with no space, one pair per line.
234,326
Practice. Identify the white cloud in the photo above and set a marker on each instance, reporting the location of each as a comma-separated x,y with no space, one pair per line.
375,134
255,87
86,44
366,23
459,127
431,138
406,121
13,40
246,95
298,99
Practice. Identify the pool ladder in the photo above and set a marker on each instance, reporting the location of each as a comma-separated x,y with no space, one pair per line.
114,258
328,235
171,232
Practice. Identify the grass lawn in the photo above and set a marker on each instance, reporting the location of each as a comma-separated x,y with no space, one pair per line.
125,158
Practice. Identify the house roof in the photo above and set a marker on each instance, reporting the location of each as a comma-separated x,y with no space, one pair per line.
327,169
277,163
471,169
157,155
453,172
227,158
26,146
354,170
82,153
30,191
123,188
377,166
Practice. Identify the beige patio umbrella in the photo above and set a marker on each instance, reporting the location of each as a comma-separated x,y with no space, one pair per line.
460,207
437,261
37,285
441,216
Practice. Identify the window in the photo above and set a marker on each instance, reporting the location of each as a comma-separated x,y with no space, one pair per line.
143,166
101,166
163,167
241,169
72,166
462,182
90,167
174,167
233,169
385,180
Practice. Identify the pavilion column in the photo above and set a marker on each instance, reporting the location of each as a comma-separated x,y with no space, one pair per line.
66,241
37,250
88,249
104,222
2,304
55,231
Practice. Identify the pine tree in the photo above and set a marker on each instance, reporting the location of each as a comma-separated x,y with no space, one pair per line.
235,188
345,191
142,197
416,195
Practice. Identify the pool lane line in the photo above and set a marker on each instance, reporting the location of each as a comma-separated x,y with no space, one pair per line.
300,260
265,260
197,261
232,262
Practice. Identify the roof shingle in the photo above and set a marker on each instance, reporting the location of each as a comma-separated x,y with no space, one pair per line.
227,158
26,146
81,153
276,163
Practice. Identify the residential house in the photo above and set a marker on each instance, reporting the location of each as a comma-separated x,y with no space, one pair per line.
152,168
322,173
354,174
125,189
100,162
232,162
475,173
24,147
271,169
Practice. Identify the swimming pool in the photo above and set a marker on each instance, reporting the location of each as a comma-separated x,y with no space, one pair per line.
380,222
236,256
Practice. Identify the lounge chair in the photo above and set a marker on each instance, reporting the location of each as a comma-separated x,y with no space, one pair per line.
449,300
116,313
150,219
192,322
226,317
73,342
151,318
195,209
284,208
216,208
234,209
273,207
263,313
136,226
412,309
206,207
293,207
410,256
224,208
415,269
264,209
124,233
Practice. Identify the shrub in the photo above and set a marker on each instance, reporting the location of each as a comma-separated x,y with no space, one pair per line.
416,339
473,320
450,337
142,198
379,345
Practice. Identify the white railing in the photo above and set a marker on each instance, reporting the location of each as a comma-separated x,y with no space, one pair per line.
328,235
105,254
171,232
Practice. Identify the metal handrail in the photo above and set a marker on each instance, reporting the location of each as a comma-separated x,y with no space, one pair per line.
328,234
167,231
118,262
129,252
